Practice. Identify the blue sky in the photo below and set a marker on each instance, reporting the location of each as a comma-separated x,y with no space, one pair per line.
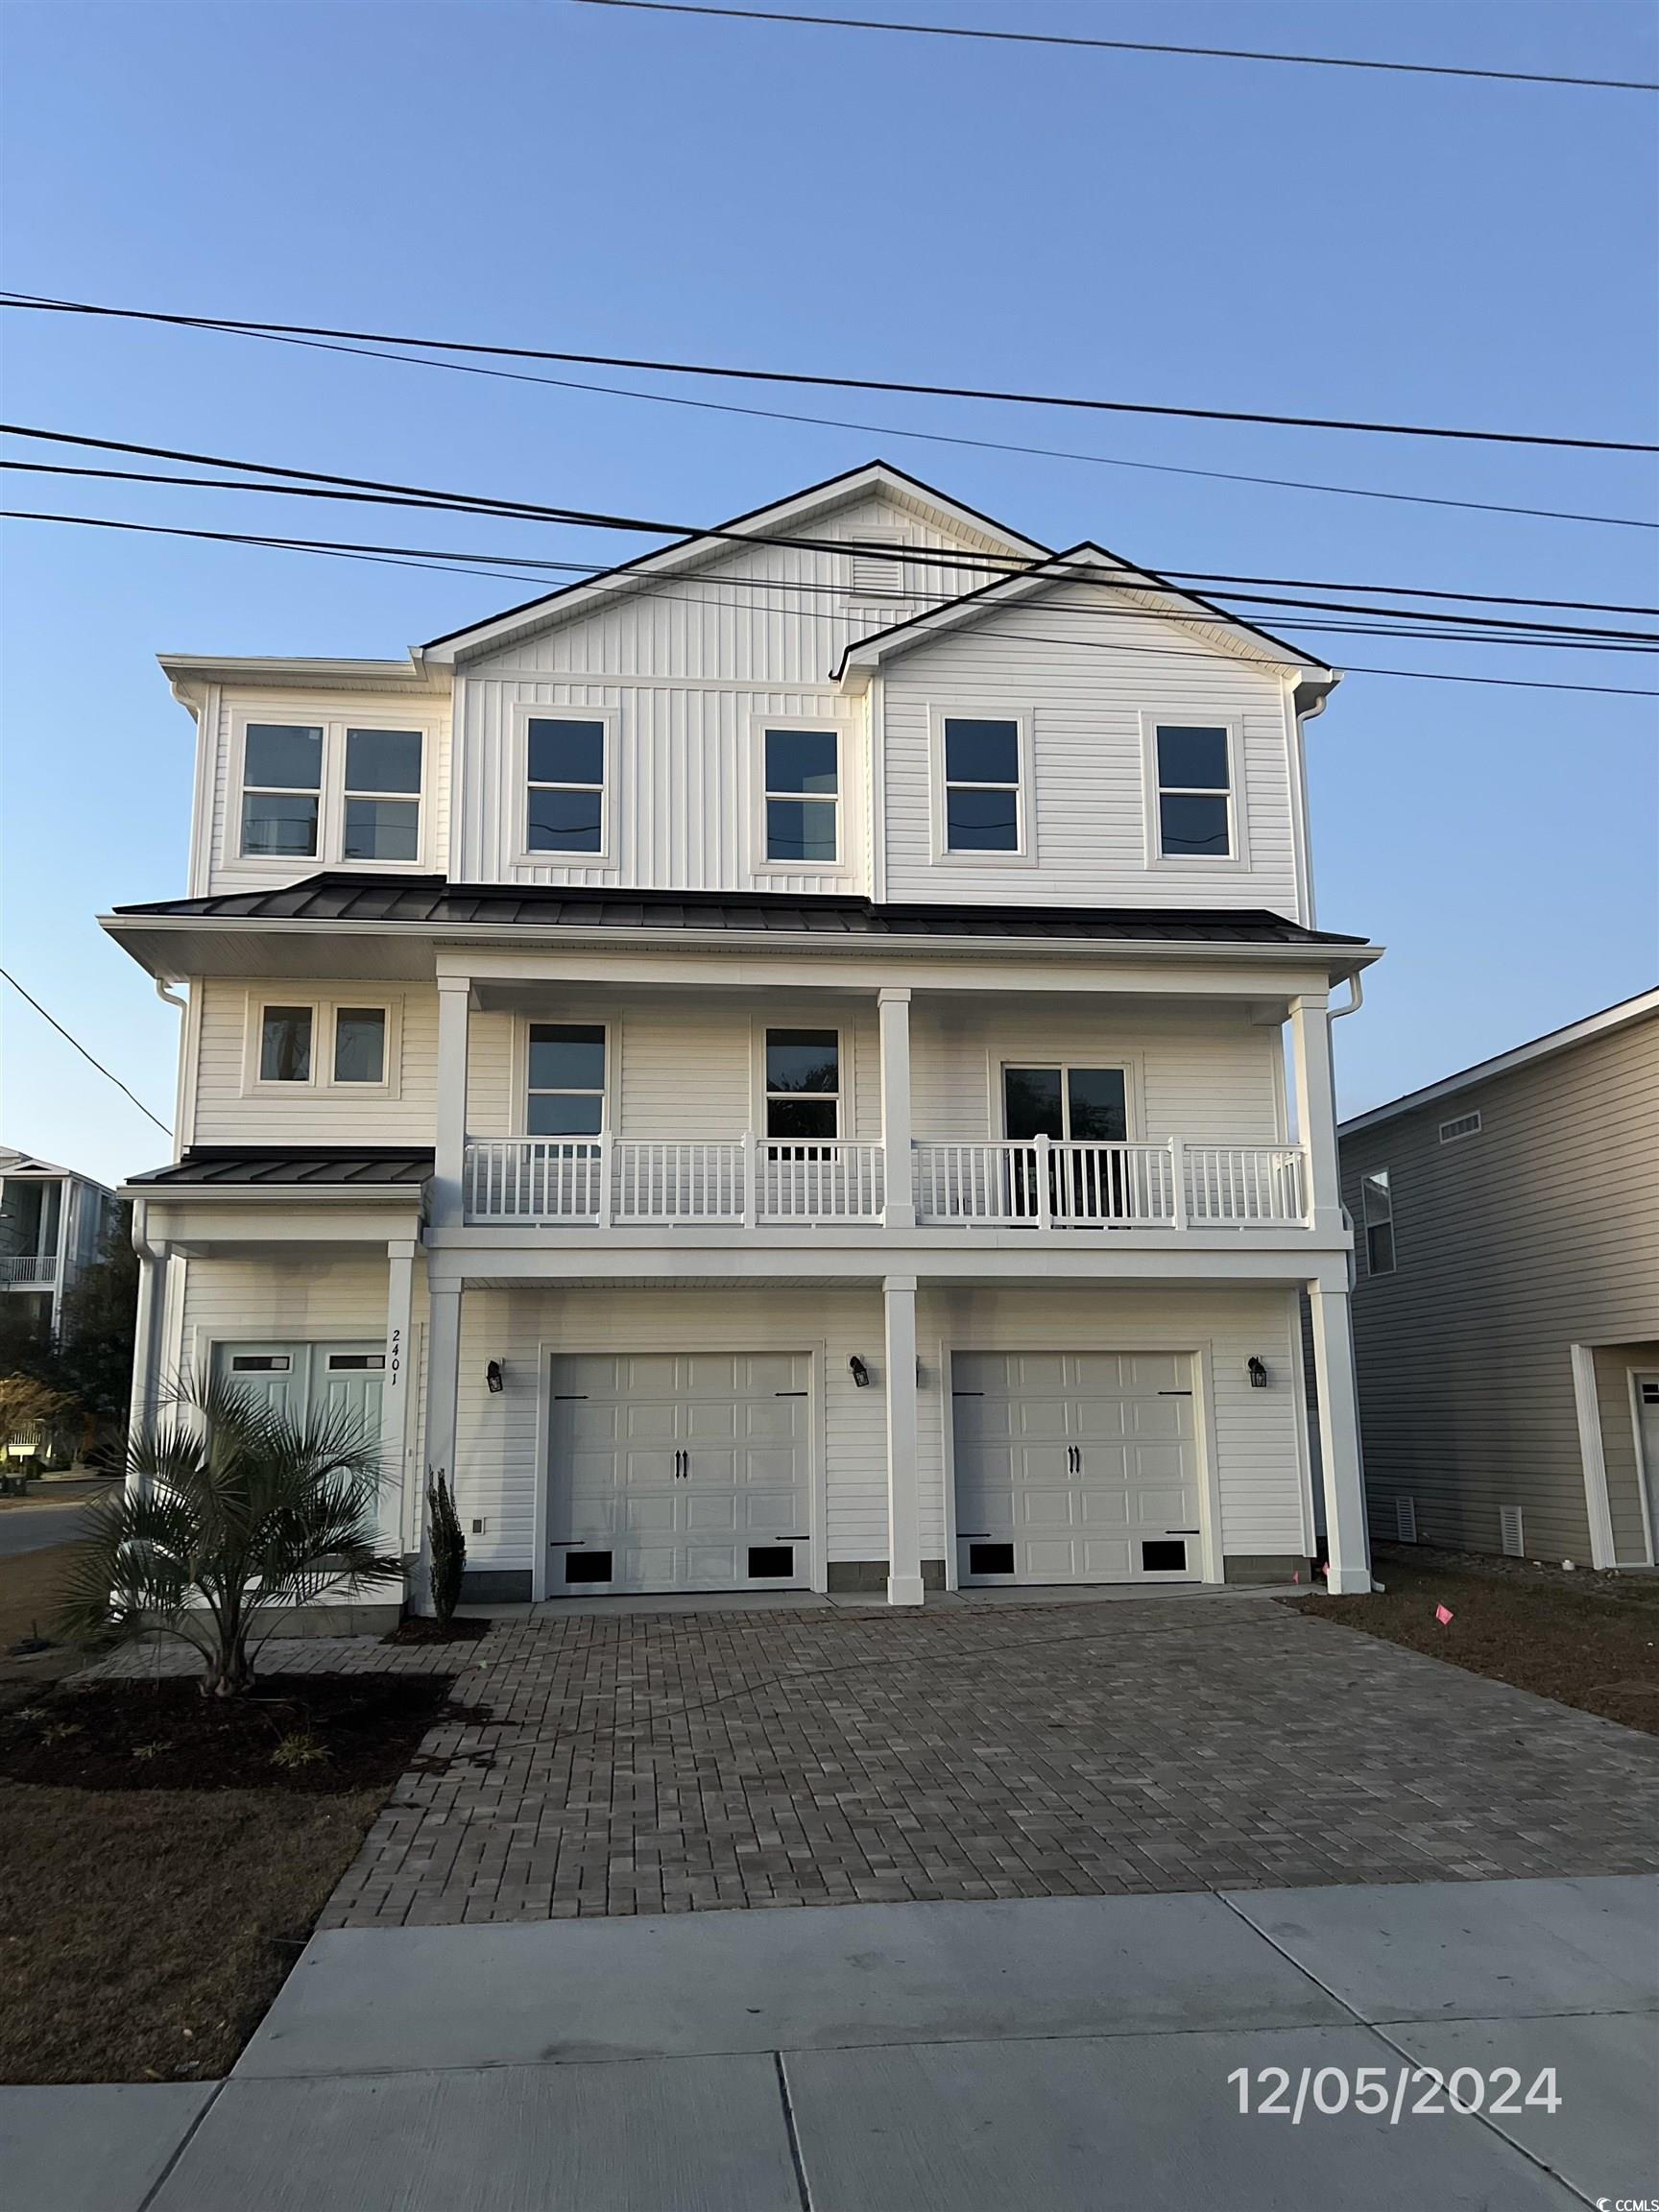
1204,232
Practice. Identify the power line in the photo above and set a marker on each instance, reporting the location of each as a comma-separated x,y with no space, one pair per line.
84,1054
279,336
36,302
1379,621
670,589
1126,45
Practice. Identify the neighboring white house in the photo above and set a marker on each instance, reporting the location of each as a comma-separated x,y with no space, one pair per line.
769,1067
53,1223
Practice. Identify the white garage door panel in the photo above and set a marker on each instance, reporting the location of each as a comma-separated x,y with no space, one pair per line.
1068,1464
672,1468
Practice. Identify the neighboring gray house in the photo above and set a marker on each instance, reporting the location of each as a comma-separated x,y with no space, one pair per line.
53,1223
1506,1308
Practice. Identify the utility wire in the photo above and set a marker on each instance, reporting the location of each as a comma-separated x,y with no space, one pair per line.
1417,675
843,383
1381,621
1125,45
280,337
84,1054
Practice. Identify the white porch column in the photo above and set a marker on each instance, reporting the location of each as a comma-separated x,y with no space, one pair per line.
397,1410
1345,1546
1316,1109
898,1168
454,994
903,1501
147,1327
443,1388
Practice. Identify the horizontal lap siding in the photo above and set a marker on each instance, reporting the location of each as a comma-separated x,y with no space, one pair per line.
1540,1231
331,1294
1086,705
1202,1073
312,1113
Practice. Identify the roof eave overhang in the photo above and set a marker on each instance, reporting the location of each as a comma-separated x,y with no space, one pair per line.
191,673
408,1195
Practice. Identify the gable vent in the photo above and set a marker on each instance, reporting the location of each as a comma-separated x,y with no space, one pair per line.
1514,1533
875,575
1406,1520
1465,1125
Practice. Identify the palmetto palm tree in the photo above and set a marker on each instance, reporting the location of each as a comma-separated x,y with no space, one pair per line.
230,1507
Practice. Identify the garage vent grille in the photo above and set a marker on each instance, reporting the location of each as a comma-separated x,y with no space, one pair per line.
1514,1531
1465,1125
1406,1520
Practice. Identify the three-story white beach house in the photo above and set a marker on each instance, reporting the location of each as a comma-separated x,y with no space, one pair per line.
770,1067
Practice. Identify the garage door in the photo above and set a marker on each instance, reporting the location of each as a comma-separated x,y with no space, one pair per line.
678,1472
1076,1467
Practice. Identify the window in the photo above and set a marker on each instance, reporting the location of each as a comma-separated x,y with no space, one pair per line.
285,1045
803,796
984,804
803,1083
382,795
567,1079
566,770
1076,1105
281,789
360,1044
1194,791
1465,1125
1377,1203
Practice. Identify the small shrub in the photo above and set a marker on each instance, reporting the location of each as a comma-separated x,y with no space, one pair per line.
448,1545
299,1747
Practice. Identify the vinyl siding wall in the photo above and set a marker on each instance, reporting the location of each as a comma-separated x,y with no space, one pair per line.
1512,1246
229,1110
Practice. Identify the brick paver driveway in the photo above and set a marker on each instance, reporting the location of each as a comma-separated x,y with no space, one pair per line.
666,1763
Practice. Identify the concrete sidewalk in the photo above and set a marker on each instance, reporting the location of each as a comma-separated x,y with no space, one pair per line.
1067,2053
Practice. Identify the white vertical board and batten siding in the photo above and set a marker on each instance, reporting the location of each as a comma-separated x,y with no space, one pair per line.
690,665
1085,671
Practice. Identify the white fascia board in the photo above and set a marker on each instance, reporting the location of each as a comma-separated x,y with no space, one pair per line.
1226,633
689,552
190,673
406,1195
1619,1017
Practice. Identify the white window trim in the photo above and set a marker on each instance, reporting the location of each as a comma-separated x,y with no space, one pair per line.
331,797
567,1018
324,1007
524,712
845,1097
1023,718
1367,1225
847,783
1127,1063
1238,808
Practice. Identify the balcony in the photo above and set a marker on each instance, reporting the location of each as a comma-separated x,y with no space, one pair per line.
753,1182
29,1270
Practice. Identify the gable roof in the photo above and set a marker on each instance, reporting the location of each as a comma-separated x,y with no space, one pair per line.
1644,1005
1161,599
778,517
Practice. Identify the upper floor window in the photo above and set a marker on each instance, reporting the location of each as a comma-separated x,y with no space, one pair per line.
565,759
567,1086
984,791
382,795
1194,802
282,788
803,1083
285,1043
1377,1202
331,790
360,1044
802,770
317,1042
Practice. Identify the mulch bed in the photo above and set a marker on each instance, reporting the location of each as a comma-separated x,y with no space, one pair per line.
307,1734
417,1629
1578,1642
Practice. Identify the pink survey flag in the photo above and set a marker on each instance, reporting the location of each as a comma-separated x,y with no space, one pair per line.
1443,1614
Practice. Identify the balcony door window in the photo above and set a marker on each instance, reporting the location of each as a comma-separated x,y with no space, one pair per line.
803,1083
1071,1105
803,797
567,1087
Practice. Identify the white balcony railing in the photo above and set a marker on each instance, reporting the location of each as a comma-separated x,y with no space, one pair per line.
631,1183
29,1267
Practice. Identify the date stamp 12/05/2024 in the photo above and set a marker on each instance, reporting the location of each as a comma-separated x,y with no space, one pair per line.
1402,2092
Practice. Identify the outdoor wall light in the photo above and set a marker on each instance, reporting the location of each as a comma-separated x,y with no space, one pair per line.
860,1373
1257,1370
495,1375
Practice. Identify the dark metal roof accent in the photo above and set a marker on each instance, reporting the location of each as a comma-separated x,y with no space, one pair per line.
215,1167
431,902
